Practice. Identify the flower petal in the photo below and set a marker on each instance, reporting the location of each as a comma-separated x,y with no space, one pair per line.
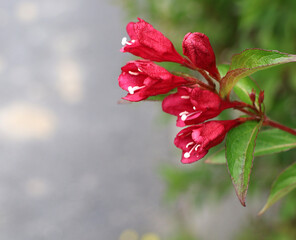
143,79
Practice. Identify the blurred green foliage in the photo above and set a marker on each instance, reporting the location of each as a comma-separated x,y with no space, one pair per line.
233,26
259,229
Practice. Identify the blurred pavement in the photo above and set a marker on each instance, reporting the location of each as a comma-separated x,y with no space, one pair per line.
74,165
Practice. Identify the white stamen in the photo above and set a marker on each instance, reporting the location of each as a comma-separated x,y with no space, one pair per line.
140,70
183,113
133,73
189,144
133,41
132,90
185,97
187,154
124,41
194,108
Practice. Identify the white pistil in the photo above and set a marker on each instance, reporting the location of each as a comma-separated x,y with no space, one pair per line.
194,108
195,147
185,97
183,115
125,42
133,73
140,70
132,90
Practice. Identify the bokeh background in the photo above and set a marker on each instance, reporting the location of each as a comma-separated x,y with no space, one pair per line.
75,164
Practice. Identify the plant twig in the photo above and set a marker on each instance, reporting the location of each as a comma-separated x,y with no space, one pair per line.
271,123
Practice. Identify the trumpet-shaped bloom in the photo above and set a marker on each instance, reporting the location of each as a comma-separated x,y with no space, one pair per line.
143,79
149,43
193,106
195,141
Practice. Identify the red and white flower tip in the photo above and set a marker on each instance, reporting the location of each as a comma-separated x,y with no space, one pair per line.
143,79
197,47
193,106
148,43
195,141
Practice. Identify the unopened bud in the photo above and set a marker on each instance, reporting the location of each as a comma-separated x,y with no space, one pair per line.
252,95
261,97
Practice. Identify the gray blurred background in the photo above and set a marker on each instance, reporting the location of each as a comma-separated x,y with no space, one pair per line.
74,165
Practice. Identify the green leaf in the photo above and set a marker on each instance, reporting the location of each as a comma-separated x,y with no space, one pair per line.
243,87
250,61
217,157
240,145
159,97
223,69
274,141
284,184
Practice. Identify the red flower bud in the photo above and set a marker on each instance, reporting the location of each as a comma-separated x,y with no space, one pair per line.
148,43
261,97
193,106
143,79
252,96
197,47
195,141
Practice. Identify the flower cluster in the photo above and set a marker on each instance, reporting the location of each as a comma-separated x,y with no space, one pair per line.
194,102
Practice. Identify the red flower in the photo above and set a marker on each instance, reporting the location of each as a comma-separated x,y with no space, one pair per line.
197,47
148,43
193,106
143,79
195,141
